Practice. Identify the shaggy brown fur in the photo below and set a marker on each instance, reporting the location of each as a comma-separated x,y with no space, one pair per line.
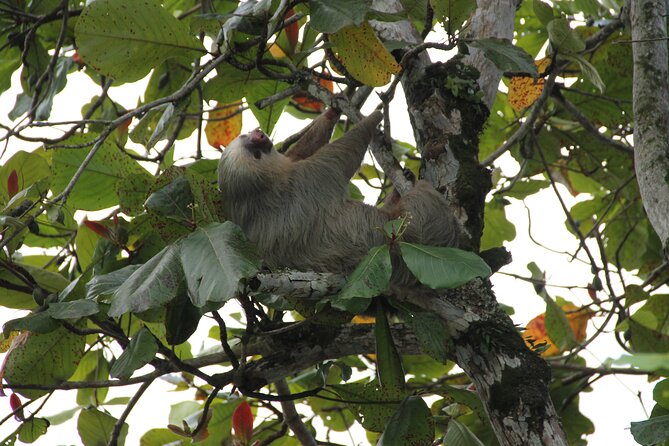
295,207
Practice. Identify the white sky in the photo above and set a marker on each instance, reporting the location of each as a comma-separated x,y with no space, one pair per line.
611,406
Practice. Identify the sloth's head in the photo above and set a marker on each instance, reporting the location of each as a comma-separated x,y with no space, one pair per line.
250,162
255,144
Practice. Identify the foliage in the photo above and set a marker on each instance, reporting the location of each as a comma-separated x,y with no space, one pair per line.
114,249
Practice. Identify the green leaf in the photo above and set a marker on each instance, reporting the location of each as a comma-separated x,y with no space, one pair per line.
125,39
563,38
45,359
433,335
652,431
150,286
32,429
181,318
505,55
10,61
139,352
497,228
329,16
370,278
95,188
160,436
95,428
39,322
173,200
93,367
216,260
388,362
661,393
411,424
30,167
107,284
646,361
589,71
132,192
543,11
557,325
459,435
230,84
73,310
440,267
379,403
268,116
452,13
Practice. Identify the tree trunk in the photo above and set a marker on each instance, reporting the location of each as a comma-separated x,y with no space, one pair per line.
651,103
511,380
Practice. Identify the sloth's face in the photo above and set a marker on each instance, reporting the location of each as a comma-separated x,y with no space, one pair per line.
256,144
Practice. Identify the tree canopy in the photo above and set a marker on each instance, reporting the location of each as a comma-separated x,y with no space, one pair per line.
114,249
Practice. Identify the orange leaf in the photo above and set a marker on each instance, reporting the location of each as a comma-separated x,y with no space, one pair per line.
99,229
13,183
224,124
536,328
524,91
307,102
242,422
292,31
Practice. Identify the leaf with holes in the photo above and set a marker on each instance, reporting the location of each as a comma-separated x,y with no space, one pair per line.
125,39
364,56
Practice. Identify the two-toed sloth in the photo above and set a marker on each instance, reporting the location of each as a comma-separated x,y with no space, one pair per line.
296,208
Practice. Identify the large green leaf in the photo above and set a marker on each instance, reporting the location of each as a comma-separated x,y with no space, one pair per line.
440,267
152,285
652,431
411,425
95,428
125,39
370,278
107,284
268,116
373,405
95,188
459,435
32,429
433,336
216,259
505,55
46,359
139,352
563,38
330,16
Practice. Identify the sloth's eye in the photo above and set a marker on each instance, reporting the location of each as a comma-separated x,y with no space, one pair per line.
257,155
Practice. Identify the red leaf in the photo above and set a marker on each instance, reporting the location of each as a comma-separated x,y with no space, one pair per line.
242,422
292,30
13,183
17,407
99,229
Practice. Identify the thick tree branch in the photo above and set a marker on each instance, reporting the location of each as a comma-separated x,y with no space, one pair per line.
650,103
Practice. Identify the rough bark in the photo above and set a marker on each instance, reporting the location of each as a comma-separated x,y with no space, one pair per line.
511,380
651,102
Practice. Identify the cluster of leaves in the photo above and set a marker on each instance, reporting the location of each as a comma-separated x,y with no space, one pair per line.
112,295
129,289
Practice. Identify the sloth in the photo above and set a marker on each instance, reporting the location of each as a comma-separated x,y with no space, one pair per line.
296,208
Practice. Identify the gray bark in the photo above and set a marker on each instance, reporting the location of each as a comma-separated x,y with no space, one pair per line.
651,107
511,380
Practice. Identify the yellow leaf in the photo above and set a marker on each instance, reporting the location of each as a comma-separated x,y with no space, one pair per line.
524,91
224,124
363,55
